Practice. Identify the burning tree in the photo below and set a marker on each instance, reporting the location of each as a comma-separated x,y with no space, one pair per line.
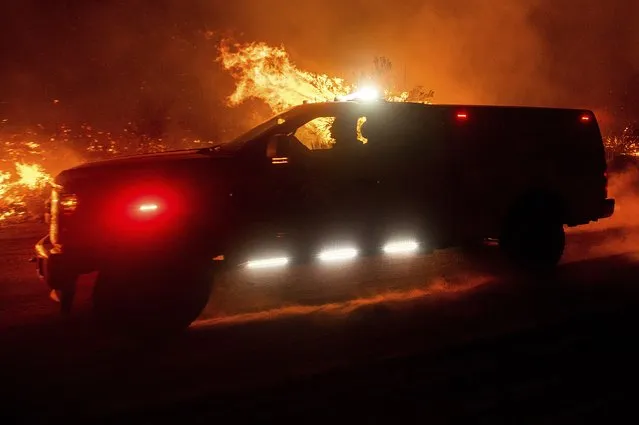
421,94
381,75
265,72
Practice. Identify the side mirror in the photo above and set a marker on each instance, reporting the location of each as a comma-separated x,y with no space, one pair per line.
278,149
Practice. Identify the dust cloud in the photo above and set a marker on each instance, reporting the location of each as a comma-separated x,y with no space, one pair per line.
390,300
617,235
624,188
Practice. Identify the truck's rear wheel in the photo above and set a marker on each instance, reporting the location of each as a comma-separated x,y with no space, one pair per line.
533,236
154,300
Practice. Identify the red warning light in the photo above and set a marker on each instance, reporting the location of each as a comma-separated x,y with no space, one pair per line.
462,116
585,118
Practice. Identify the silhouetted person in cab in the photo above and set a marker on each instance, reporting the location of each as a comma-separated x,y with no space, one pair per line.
344,132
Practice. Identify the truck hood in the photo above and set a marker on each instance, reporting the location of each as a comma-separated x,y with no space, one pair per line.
155,158
165,163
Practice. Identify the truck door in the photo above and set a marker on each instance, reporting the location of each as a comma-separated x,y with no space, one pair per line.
270,197
305,182
411,165
285,181
340,186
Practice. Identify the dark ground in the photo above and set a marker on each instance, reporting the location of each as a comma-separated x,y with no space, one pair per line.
436,339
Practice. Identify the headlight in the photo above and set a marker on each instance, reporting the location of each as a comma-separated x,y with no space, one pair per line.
67,203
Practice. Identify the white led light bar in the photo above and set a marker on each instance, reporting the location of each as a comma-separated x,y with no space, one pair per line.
267,263
339,254
401,247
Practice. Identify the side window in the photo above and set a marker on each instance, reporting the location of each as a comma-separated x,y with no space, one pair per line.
325,133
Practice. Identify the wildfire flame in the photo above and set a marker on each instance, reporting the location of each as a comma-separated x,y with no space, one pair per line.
17,188
29,158
266,72
32,175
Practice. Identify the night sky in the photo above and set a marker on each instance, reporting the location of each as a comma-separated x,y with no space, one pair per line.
105,59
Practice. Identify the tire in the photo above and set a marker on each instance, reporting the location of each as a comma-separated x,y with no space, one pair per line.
533,236
154,300
65,297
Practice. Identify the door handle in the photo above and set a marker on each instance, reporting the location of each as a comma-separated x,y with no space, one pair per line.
368,181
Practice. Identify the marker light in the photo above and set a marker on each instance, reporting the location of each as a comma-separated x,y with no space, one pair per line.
145,207
400,247
148,207
147,210
585,118
267,263
462,116
338,254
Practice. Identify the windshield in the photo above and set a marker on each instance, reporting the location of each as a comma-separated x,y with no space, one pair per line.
255,132
288,121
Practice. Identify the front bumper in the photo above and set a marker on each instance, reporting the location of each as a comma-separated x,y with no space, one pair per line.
52,266
59,266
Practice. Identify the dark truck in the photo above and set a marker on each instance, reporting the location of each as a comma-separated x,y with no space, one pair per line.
321,181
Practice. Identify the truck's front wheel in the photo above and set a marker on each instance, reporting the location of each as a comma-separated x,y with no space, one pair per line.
151,299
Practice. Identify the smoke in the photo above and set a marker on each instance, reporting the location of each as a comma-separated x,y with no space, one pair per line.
617,235
623,186
540,52
104,60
